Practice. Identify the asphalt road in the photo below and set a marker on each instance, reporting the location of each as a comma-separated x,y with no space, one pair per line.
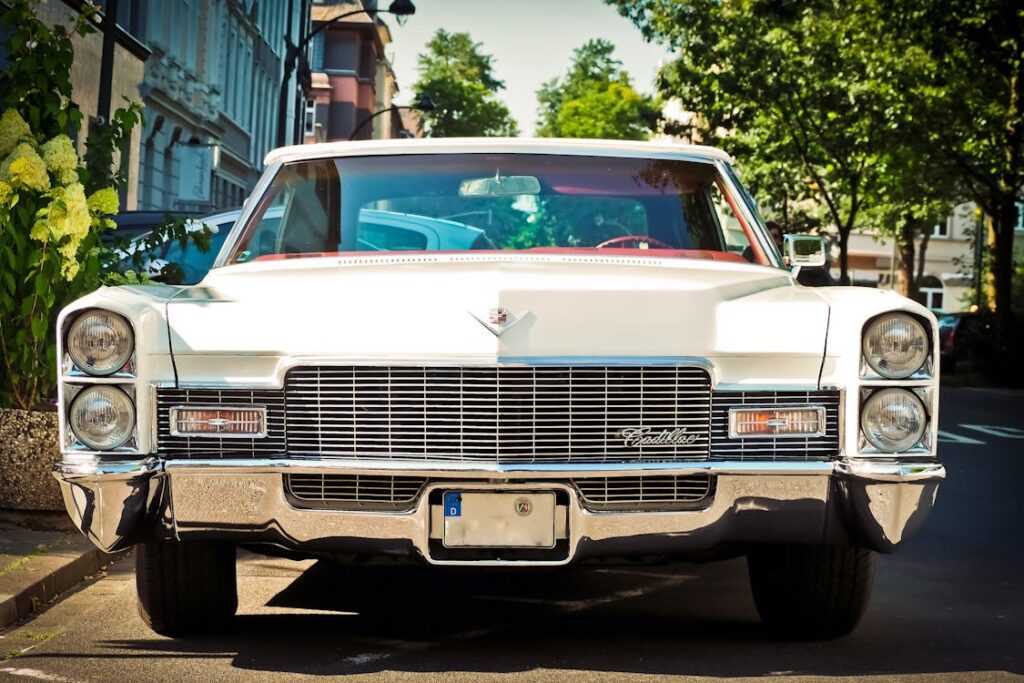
948,607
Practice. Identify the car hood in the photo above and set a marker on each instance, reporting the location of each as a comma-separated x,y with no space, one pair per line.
437,309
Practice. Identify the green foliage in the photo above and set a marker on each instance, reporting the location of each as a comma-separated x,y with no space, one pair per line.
104,140
874,113
594,99
50,223
460,79
811,106
968,99
37,80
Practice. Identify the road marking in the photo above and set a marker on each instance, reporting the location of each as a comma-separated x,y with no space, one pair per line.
359,660
995,430
25,672
950,437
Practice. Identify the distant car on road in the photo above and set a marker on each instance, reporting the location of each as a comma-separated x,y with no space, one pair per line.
379,231
193,262
135,223
956,334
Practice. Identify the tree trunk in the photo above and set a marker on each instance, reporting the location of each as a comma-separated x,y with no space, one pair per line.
905,241
1004,222
844,256
920,259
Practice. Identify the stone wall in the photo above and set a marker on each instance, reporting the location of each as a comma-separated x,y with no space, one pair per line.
29,447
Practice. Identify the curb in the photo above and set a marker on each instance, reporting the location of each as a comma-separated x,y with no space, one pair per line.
35,595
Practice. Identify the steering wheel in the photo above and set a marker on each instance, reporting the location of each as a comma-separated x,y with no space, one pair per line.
639,239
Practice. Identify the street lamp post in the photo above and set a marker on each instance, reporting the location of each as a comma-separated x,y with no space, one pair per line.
424,103
400,8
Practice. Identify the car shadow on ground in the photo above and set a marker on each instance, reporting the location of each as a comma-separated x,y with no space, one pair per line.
684,619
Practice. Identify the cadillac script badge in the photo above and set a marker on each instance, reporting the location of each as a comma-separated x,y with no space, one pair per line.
634,437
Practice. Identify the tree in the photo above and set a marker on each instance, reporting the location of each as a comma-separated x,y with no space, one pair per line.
970,99
460,79
50,220
814,93
594,99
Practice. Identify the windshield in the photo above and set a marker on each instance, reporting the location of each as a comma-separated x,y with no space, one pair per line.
536,202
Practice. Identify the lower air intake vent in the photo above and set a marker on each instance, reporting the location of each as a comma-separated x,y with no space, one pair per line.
647,493
353,491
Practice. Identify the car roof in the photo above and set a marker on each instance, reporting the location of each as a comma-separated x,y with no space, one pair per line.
132,219
572,147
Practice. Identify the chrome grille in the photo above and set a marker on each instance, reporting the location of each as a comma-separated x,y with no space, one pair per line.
213,447
654,492
496,414
773,448
499,414
355,491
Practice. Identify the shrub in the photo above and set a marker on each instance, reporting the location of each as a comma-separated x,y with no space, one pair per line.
50,227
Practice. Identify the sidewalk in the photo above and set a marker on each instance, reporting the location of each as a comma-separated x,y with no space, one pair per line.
41,556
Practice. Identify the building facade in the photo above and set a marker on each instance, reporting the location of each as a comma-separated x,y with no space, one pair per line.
947,284
210,93
130,57
351,76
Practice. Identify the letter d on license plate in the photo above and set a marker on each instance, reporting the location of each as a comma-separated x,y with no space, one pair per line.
499,520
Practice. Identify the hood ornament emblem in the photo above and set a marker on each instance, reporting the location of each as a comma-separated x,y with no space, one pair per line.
498,320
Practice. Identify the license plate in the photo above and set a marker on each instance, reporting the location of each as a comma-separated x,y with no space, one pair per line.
499,520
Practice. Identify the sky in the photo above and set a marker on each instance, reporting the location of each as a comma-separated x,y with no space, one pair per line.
531,42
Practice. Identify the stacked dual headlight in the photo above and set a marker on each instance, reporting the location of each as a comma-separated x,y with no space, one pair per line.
99,344
896,346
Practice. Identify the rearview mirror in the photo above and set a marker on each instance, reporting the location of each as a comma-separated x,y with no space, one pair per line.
500,186
804,251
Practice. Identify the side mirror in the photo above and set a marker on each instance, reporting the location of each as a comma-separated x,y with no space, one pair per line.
804,251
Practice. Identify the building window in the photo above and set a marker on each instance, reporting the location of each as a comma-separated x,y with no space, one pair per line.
929,293
310,128
941,229
316,53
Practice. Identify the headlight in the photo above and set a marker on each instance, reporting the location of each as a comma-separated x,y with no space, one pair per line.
102,417
893,420
100,342
895,345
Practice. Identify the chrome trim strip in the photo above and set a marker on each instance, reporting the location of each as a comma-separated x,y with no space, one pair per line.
869,469
490,470
97,469
629,361
892,471
248,206
745,202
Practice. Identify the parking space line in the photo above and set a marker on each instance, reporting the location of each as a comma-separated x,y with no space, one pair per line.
950,437
996,430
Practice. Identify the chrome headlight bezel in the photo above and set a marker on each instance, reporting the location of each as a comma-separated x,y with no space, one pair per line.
921,442
124,361
128,437
873,365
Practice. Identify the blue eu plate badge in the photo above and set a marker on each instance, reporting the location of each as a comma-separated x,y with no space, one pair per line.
452,504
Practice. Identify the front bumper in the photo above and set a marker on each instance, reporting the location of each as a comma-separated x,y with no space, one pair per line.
869,503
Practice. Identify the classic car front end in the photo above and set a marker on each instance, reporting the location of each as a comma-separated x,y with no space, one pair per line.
338,389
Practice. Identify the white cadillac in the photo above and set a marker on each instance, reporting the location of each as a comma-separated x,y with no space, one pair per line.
501,353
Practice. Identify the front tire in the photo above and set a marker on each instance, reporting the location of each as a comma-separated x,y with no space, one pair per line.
811,592
185,588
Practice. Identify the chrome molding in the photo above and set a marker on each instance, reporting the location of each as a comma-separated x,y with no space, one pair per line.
747,208
485,470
